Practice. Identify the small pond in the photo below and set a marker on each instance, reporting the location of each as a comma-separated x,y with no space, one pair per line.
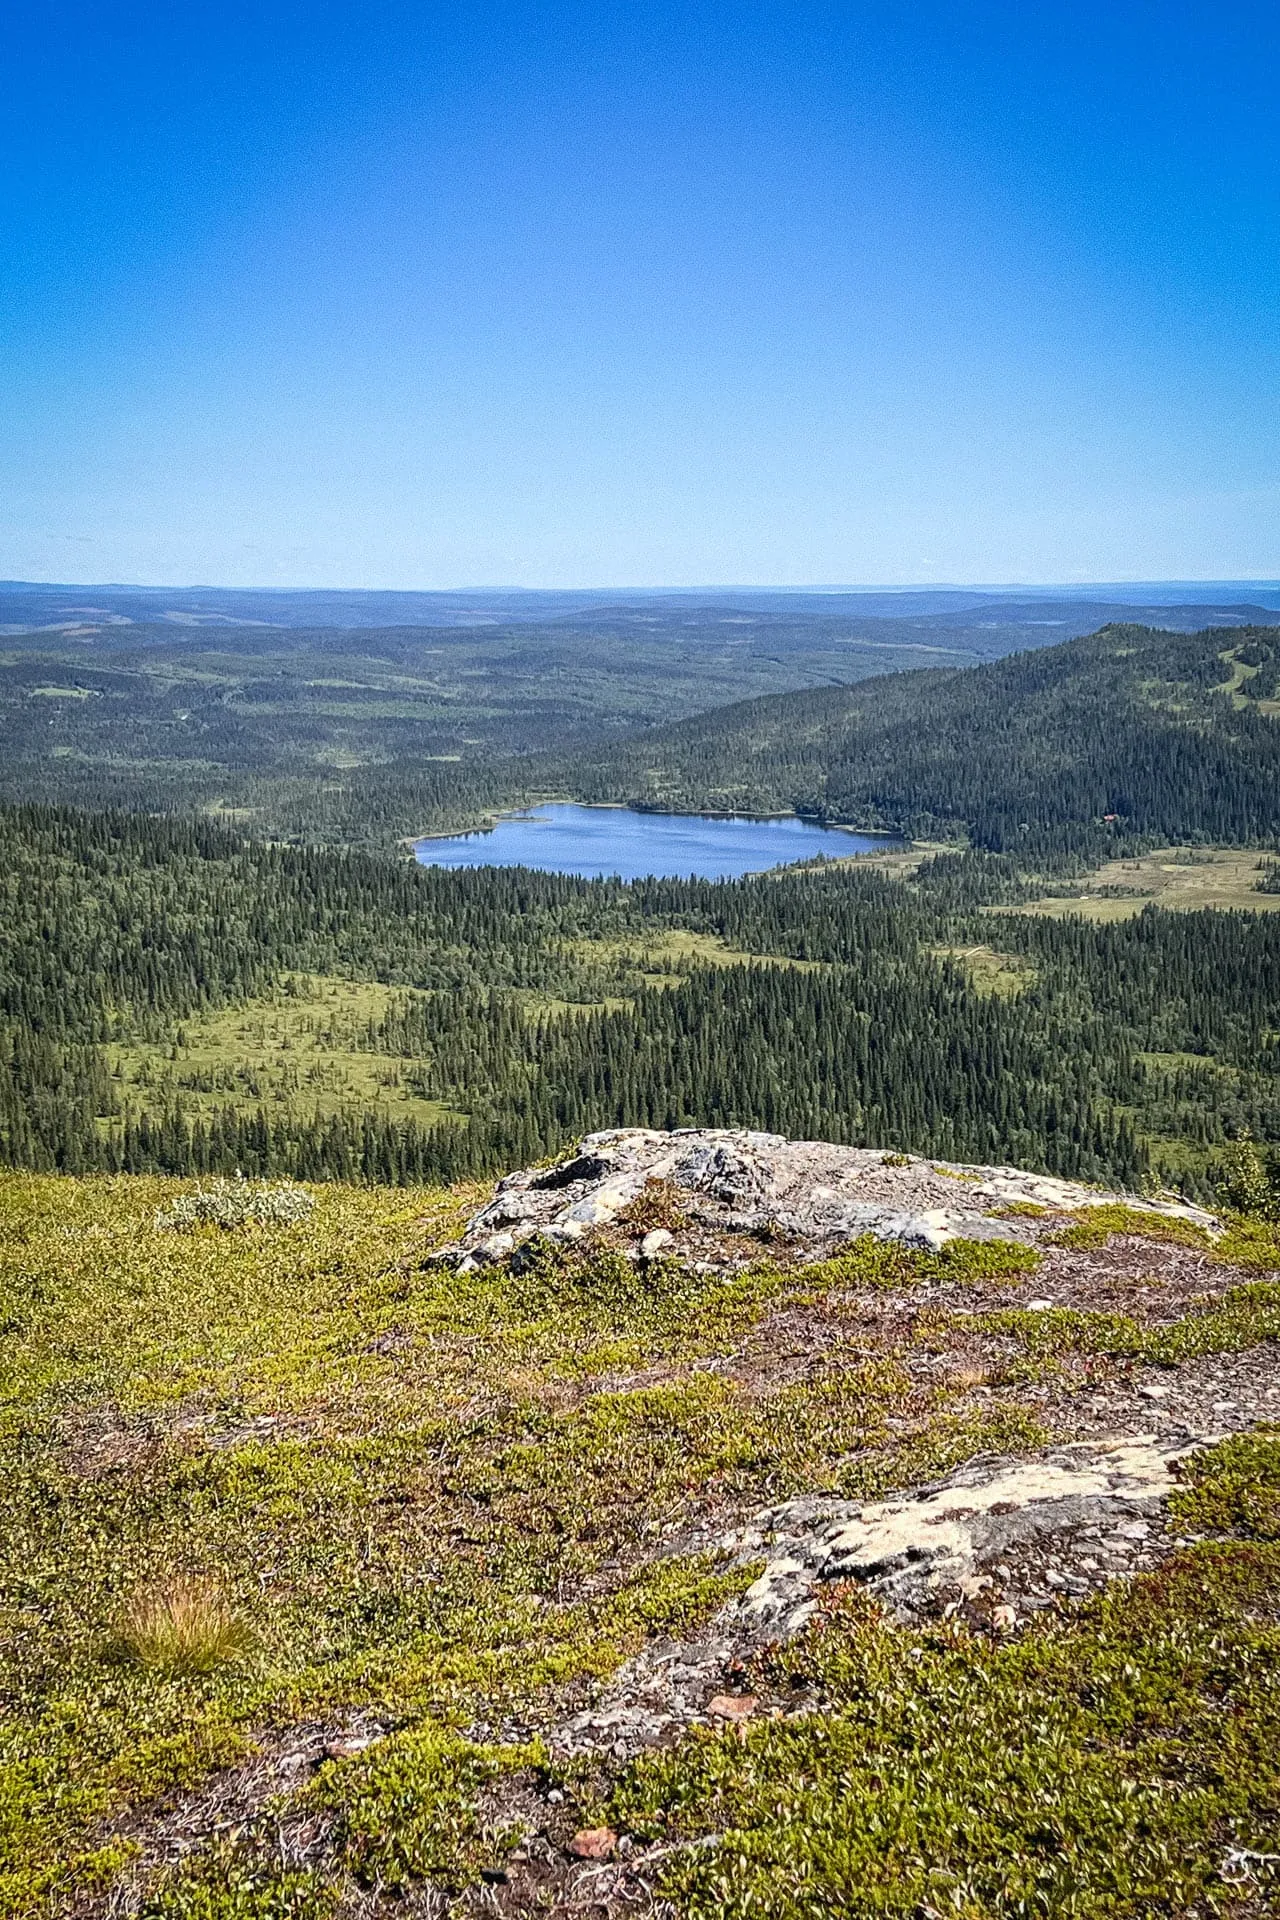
596,842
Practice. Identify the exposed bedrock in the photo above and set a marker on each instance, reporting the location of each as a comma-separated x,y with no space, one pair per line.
1002,1538
743,1186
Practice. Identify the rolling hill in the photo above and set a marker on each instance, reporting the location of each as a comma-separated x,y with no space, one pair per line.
1132,728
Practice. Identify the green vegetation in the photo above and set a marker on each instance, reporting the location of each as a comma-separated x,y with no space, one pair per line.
288,1508
295,1475
176,998
1118,1761
1236,879
1247,1184
1132,733
237,1203
320,1044
368,734
1094,749
291,1484
990,971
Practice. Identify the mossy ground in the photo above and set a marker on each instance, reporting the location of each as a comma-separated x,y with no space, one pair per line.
1180,878
437,1501
312,1046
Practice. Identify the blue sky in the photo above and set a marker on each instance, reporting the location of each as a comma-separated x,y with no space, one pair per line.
393,295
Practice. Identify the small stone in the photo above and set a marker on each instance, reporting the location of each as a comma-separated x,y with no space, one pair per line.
594,1843
654,1242
1039,1306
733,1706
1154,1392
565,1230
1136,1530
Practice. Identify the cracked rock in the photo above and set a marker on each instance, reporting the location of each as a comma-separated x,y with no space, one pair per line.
746,1184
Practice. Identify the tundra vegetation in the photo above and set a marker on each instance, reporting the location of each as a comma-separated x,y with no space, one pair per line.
298,1527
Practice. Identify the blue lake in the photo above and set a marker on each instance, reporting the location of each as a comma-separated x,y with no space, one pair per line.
596,842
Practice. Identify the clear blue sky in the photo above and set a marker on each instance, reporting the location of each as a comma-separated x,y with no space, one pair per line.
395,295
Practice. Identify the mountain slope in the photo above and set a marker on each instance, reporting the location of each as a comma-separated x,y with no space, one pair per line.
1172,734
341,1582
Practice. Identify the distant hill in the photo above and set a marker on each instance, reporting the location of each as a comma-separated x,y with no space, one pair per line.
988,620
1133,727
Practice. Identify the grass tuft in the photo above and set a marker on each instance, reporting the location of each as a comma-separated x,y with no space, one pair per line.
659,1203
183,1624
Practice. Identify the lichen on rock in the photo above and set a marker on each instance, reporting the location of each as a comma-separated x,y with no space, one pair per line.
744,1187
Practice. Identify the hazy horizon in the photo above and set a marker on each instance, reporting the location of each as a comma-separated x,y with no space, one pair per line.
1035,588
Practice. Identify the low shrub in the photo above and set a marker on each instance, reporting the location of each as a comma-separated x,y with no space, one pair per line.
1246,1185
238,1203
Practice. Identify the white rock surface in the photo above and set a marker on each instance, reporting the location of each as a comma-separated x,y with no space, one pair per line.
920,1552
906,1547
747,1184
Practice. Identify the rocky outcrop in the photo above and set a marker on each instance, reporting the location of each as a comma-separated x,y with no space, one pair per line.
738,1187
944,1539
997,1540
1001,1538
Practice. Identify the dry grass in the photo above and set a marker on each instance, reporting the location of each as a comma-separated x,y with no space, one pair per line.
1186,878
964,1378
659,1203
183,1624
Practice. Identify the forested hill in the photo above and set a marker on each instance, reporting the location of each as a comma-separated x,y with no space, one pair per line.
175,997
1172,734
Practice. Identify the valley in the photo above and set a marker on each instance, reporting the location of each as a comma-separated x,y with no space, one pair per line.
421,1507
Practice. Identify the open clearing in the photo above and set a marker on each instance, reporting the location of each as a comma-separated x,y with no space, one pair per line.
310,1047
1182,878
990,972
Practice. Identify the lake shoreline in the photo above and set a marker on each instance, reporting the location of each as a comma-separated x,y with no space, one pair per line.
493,820
610,841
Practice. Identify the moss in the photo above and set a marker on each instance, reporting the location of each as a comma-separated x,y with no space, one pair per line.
1100,1766
1094,1226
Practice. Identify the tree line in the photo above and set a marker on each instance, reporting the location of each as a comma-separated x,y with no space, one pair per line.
536,1006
